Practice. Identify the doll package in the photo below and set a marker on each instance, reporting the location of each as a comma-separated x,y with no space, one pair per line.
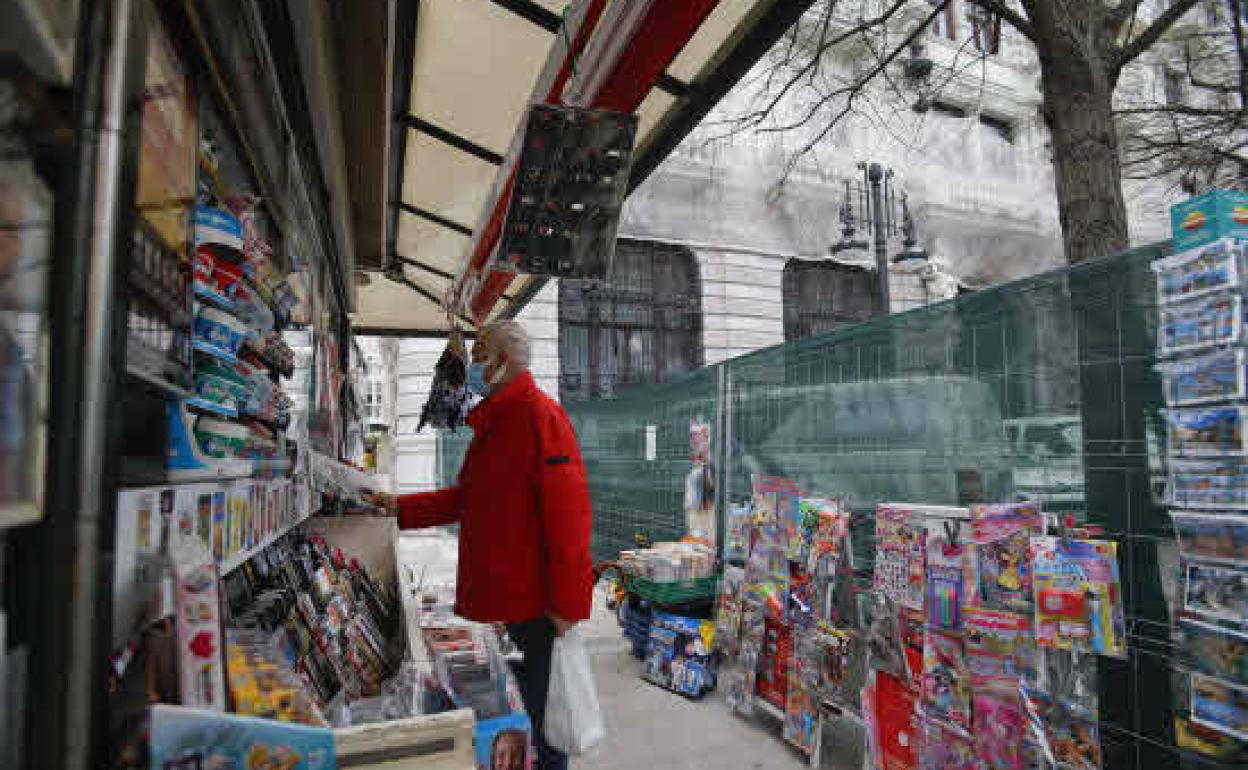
777,501
1000,720
1078,595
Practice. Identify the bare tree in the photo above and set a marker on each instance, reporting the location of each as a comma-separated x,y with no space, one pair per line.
1083,48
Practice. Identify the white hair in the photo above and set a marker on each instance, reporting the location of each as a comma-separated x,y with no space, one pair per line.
511,336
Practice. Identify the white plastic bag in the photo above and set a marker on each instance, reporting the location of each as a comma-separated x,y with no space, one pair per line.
573,719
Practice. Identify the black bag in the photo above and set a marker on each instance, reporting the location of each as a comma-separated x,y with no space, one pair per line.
448,397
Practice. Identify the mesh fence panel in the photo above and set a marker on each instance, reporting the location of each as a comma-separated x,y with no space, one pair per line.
1043,389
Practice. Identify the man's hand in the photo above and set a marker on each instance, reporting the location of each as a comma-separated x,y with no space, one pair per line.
561,625
389,504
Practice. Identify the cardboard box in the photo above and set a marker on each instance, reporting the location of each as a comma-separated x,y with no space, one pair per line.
1206,218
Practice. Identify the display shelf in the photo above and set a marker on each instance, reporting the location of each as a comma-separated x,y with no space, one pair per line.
227,566
212,350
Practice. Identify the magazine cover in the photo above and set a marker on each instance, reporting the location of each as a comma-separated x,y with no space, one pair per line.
503,743
900,556
1217,591
1220,706
1000,648
1078,595
1002,535
193,738
946,681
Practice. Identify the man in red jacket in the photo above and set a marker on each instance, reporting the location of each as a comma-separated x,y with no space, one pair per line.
522,505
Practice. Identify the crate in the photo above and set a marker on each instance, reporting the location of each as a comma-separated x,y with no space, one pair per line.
671,594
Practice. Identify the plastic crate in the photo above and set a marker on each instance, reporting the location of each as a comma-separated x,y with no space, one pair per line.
669,594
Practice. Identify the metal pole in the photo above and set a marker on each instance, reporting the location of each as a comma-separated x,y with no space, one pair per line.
875,175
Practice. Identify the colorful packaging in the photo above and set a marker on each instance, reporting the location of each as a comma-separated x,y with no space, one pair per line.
1211,536
183,738
946,577
1206,218
778,501
842,665
1002,535
1199,271
1217,591
218,332
201,670
946,680
946,747
1201,324
1215,651
801,706
900,556
893,720
1220,706
1000,648
1209,484
1078,596
1059,735
828,563
1210,432
680,656
1000,724
1218,376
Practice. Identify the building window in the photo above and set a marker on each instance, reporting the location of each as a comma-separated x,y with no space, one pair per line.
943,25
820,296
985,29
642,326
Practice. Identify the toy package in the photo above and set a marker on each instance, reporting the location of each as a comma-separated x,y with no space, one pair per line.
946,580
1220,706
1000,648
842,662
1209,484
681,653
1216,320
1218,376
739,522
1000,722
946,747
1218,592
828,565
201,649
801,711
728,610
778,501
1200,271
743,681
1215,651
946,680
767,574
1208,432
1078,595
1212,536
185,738
900,556
1002,575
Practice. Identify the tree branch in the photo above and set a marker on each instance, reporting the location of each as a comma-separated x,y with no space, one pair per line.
1009,16
1131,49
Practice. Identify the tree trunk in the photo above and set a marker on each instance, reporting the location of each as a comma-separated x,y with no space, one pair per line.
1078,86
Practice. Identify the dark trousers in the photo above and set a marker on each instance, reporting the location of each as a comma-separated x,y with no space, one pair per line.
534,638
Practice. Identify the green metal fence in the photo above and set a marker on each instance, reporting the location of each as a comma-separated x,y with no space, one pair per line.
1041,389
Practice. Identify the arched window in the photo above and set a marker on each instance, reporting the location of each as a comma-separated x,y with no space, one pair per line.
643,325
822,295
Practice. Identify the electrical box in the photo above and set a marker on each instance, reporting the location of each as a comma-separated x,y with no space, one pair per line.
570,183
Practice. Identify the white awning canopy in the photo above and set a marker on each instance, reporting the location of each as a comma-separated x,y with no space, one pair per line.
470,71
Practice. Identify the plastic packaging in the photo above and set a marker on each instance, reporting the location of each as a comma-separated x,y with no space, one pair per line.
220,438
573,718
219,331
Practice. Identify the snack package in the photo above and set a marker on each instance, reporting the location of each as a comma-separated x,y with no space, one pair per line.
946,579
946,680
1223,537
1215,651
1220,706
1217,376
1217,592
1207,432
900,556
1001,573
1000,724
1209,484
1078,595
1000,648
1200,324
946,747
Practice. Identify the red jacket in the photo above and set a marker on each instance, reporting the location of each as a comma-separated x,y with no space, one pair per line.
522,504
